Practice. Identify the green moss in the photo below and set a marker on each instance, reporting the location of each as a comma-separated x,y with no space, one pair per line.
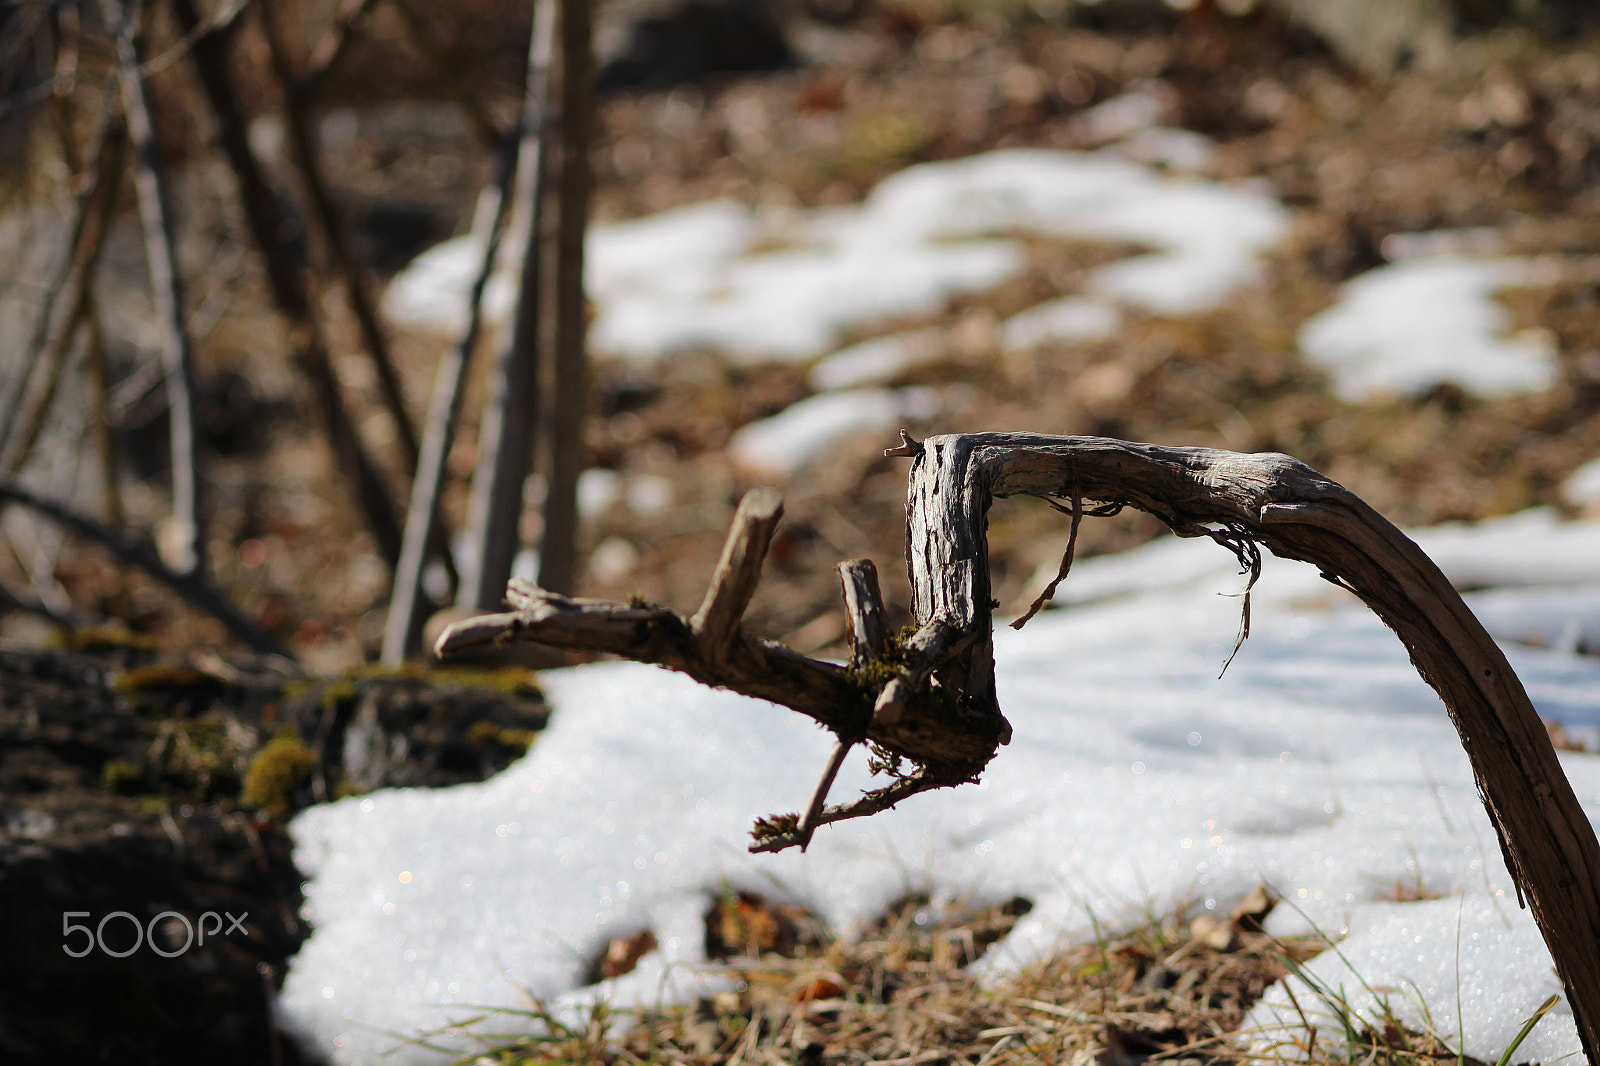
516,741
339,693
275,773
158,677
121,776
507,681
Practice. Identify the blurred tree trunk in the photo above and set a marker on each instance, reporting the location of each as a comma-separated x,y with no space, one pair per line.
510,418
558,558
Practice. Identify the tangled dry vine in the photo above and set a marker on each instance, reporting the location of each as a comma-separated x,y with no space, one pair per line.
930,699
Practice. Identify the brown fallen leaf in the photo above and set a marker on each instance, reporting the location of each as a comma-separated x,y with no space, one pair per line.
624,952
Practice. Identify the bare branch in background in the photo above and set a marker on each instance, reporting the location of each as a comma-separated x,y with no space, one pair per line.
69,619
334,47
141,554
483,125
403,628
558,558
65,290
98,377
155,213
511,414
283,260
332,230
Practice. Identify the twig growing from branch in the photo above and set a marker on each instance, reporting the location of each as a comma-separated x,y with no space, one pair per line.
1245,502
192,587
948,742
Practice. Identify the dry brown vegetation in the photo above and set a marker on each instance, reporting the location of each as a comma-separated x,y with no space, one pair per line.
897,994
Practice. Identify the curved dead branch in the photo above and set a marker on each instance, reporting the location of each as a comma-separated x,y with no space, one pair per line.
931,699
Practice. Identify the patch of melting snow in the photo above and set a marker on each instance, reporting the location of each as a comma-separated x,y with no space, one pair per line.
760,287
1073,319
1320,764
877,359
1582,488
775,448
1401,329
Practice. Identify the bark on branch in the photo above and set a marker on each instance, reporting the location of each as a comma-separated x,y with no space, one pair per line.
934,699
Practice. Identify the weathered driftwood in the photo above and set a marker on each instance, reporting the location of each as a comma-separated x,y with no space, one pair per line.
931,699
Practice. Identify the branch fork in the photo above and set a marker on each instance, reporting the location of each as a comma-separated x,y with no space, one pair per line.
891,696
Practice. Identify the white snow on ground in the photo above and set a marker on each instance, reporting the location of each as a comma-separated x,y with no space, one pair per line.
718,276
1404,328
1066,318
1137,781
878,359
774,448
1583,487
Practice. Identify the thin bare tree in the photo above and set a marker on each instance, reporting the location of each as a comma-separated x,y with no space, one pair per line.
187,545
558,557
507,430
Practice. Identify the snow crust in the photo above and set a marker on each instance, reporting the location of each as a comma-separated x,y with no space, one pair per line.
1404,328
1320,764
786,286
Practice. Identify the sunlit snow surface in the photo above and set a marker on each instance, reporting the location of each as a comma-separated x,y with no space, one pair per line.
717,275
1137,782
1404,328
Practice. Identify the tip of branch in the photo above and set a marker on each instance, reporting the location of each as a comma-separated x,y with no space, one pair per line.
908,448
763,501
472,632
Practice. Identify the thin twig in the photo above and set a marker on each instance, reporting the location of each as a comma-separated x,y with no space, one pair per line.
819,797
1066,560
